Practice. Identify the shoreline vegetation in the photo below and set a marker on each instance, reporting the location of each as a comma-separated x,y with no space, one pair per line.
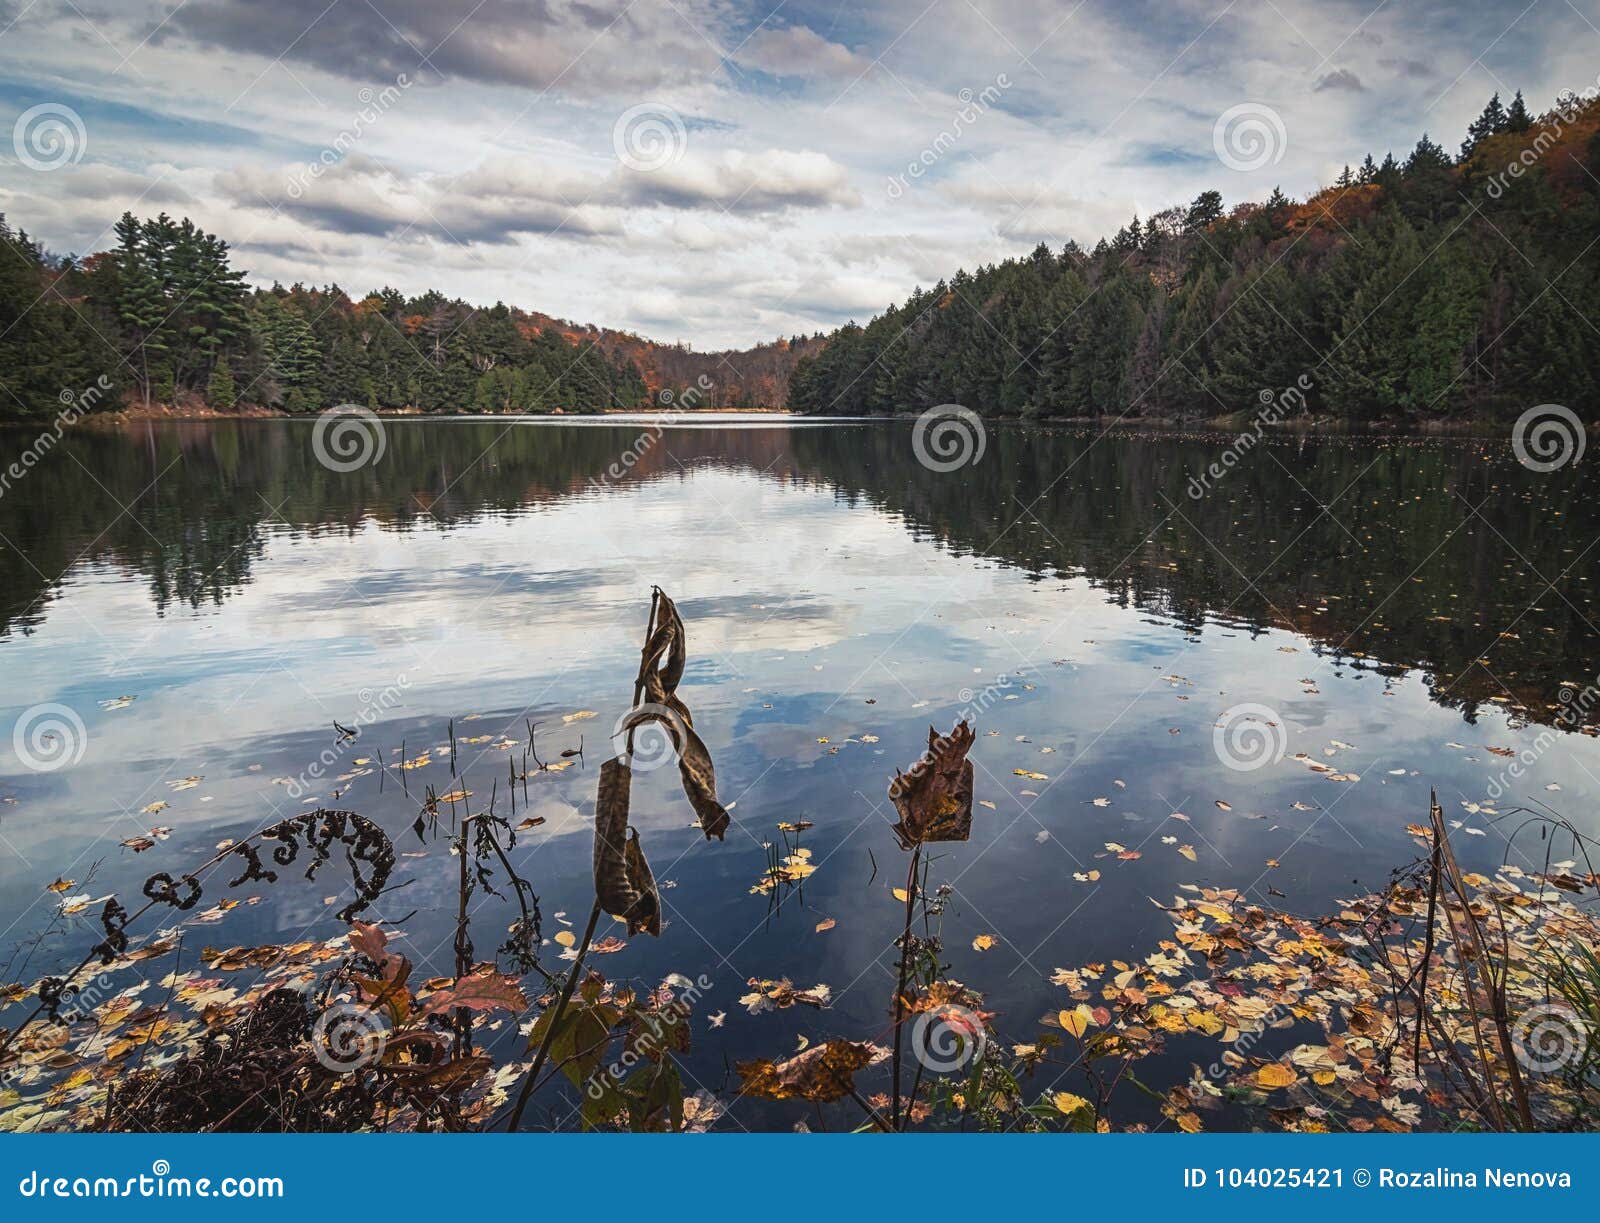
1218,426
1438,289
1445,1000
164,324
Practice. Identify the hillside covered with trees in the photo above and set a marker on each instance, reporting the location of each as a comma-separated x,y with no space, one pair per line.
165,318
1437,286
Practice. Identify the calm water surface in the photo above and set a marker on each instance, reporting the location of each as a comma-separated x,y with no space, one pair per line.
1400,610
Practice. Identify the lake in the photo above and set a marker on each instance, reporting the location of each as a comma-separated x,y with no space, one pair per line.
1290,660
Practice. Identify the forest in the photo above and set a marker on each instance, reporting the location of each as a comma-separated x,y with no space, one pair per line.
165,318
1435,287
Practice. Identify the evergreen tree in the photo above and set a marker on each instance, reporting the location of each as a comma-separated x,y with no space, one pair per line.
1491,122
139,302
50,359
1205,212
220,391
1518,120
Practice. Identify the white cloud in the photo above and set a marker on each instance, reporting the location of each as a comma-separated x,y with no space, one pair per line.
495,176
799,51
736,181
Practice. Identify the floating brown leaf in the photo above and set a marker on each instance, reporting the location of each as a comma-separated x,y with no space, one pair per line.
622,880
483,989
232,959
934,798
821,1074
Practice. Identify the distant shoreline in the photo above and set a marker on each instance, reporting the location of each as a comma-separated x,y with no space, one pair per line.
1299,426
1243,421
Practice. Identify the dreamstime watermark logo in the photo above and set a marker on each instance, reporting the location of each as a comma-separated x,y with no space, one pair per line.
633,455
648,736
373,705
49,136
157,1183
649,137
973,106
347,437
1248,737
1576,704
1248,1039
375,103
1547,437
49,737
978,700
1528,756
1570,106
949,436
1550,1037
948,1038
688,400
75,1004
1249,136
1275,405
347,1037
82,1002
655,1034
973,704
75,405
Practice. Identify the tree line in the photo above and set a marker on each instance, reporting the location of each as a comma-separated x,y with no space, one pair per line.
1434,287
165,318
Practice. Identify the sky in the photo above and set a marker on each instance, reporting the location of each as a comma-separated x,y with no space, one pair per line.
719,172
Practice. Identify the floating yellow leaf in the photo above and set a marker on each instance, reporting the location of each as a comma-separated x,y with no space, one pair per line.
1076,1021
1275,1075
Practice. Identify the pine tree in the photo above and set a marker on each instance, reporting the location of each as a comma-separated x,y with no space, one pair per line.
1491,122
1372,290
1387,175
1518,120
140,304
220,391
49,356
1443,328
1258,339
293,356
